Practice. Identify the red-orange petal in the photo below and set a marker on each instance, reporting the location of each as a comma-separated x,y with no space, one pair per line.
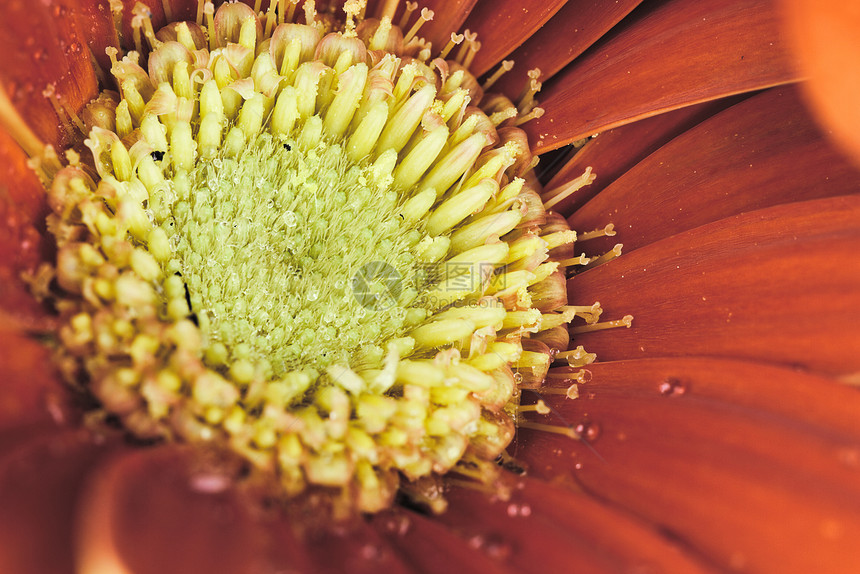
824,35
355,547
29,389
613,153
546,528
96,18
22,211
763,151
39,482
578,25
776,285
505,24
43,45
670,56
166,510
431,547
753,466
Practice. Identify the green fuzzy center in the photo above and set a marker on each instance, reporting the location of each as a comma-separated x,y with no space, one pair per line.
295,257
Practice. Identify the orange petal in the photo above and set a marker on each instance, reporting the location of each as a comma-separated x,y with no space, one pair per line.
761,152
96,18
613,153
505,24
755,467
176,509
29,389
27,195
164,510
355,548
674,55
44,45
824,35
431,547
545,528
578,25
22,210
39,484
776,285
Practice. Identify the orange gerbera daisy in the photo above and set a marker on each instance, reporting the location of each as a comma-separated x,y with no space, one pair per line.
175,399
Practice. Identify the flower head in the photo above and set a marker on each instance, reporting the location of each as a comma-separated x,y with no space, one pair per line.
275,360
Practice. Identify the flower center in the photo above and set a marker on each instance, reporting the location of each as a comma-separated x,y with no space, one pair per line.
293,254
314,251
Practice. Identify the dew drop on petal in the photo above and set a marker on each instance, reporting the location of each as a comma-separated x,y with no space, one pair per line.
497,549
370,552
672,387
397,524
515,509
209,483
588,430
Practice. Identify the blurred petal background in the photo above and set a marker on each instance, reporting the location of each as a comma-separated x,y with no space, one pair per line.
722,428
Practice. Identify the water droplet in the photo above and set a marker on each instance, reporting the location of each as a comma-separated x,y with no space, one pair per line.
40,55
518,378
370,552
588,430
578,466
672,387
290,219
209,483
397,524
519,510
313,294
497,549
73,48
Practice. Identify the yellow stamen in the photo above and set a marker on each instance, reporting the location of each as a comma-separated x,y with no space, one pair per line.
470,56
581,260
407,14
456,39
532,115
505,66
608,231
606,257
627,321
565,431
539,408
554,196
470,38
426,16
